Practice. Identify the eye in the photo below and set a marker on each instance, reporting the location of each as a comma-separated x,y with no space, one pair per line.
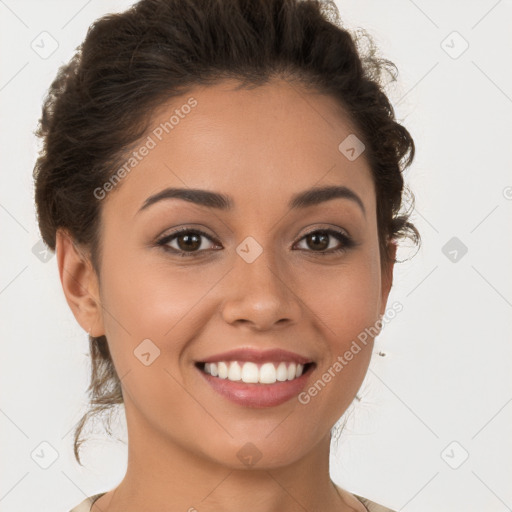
320,241
188,242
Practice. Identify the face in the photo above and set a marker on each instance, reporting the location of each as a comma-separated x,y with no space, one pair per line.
263,274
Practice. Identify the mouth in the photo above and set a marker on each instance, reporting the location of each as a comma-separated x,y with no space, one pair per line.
256,379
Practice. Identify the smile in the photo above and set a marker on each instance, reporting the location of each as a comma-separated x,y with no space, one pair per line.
256,385
254,373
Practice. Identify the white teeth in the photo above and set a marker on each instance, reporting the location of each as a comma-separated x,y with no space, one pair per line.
267,373
251,373
235,372
282,372
223,370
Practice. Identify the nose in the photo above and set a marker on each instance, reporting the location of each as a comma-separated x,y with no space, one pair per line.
260,294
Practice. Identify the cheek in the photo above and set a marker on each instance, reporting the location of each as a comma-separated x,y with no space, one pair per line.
147,318
344,304
153,302
346,298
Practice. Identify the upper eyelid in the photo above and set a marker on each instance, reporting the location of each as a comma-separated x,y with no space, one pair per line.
329,229
171,236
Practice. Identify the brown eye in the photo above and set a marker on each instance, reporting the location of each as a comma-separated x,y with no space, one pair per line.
189,242
318,241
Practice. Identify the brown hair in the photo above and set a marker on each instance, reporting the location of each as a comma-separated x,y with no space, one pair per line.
100,104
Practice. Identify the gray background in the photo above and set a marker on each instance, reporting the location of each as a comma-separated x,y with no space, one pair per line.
429,433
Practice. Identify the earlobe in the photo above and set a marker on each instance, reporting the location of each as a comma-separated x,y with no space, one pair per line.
79,283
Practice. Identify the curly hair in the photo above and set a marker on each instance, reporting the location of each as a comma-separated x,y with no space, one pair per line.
101,102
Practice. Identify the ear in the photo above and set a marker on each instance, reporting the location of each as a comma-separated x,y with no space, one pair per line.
387,275
80,283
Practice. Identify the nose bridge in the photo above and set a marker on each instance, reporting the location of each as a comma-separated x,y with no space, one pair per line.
258,292
257,266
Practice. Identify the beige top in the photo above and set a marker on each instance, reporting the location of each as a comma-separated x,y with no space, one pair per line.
371,506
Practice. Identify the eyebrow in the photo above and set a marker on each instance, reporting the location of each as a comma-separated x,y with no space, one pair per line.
209,199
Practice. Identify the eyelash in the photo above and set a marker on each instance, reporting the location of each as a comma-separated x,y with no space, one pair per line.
347,242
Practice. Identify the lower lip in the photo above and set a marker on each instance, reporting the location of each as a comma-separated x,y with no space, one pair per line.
257,395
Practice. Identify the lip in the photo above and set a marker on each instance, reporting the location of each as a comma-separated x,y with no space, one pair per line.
258,356
257,395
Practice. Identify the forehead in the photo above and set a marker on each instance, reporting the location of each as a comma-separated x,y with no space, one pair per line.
262,144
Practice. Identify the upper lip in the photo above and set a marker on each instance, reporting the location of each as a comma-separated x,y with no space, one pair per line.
258,356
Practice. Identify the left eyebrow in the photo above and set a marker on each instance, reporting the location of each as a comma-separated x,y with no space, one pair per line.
304,199
319,195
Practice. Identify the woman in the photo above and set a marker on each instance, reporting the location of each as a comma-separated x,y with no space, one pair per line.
222,184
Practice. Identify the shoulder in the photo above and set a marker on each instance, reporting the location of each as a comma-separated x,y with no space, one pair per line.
372,506
85,505
354,500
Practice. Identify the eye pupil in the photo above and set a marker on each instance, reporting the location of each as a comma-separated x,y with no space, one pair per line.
319,236
194,238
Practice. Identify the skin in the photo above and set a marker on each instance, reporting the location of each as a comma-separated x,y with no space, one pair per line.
260,147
